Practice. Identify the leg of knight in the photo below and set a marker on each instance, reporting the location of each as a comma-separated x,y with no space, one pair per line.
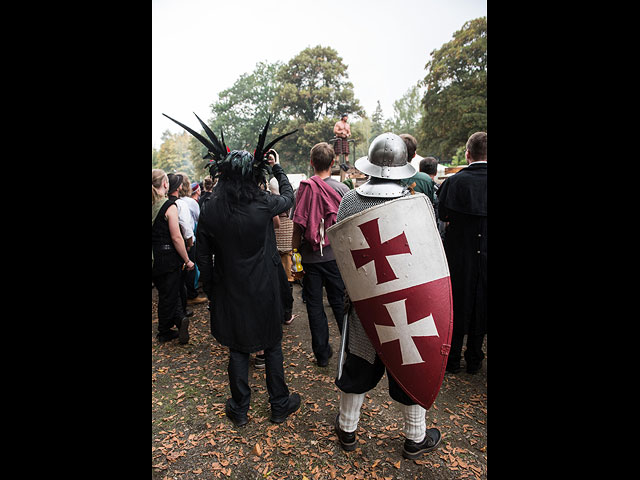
350,404
415,424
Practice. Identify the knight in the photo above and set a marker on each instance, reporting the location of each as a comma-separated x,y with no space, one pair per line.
360,366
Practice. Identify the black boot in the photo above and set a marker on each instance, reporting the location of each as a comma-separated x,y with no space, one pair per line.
237,420
167,336
413,450
453,367
347,439
292,406
183,331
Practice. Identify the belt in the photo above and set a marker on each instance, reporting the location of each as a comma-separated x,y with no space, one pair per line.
163,247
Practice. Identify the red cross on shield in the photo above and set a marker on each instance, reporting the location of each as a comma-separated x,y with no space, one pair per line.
395,271
378,251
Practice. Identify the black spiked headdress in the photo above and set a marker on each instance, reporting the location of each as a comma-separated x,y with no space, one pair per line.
215,149
220,157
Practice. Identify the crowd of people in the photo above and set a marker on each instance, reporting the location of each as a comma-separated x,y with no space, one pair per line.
232,236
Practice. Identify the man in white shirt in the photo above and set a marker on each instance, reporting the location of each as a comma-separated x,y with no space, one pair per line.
193,276
185,219
194,205
184,203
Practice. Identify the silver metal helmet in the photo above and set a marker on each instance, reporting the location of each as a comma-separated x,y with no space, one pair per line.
378,188
386,164
387,158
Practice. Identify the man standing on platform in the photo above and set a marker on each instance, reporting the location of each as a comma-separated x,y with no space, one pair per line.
343,131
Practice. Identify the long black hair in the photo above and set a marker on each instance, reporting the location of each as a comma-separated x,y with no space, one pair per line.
233,187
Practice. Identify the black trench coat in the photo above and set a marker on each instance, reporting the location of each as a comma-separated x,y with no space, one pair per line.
462,201
242,281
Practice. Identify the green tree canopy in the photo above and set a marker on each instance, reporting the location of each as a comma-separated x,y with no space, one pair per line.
242,110
361,133
174,154
407,112
313,92
314,84
294,150
377,123
455,103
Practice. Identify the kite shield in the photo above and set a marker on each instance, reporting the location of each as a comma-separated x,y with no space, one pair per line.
395,270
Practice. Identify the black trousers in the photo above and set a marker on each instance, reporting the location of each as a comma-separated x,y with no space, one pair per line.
315,275
190,275
359,376
473,355
286,293
183,290
238,371
170,310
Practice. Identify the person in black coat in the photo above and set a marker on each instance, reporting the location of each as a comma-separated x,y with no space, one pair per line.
238,261
236,228
462,203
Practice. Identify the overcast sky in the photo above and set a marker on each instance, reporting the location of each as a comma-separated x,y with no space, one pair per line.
200,47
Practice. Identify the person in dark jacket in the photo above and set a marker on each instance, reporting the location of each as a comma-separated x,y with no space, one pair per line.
207,187
236,226
462,203
238,261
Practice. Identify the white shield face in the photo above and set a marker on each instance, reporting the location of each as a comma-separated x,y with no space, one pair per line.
395,271
389,247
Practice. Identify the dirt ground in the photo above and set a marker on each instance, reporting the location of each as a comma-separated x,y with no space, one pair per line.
193,439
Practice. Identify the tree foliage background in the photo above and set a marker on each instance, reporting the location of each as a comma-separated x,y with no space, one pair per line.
455,103
174,154
312,90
